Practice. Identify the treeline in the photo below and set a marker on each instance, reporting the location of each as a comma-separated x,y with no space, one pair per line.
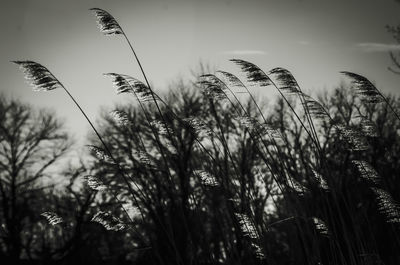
202,177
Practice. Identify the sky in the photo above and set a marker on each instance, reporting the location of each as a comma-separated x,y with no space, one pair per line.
314,39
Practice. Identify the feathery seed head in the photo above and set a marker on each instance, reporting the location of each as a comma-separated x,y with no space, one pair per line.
367,171
52,218
120,83
99,153
368,127
353,137
120,117
128,84
212,86
231,80
364,88
106,23
258,251
94,183
254,126
254,74
321,181
108,221
247,226
199,127
284,80
387,206
315,108
296,185
38,76
206,178
320,226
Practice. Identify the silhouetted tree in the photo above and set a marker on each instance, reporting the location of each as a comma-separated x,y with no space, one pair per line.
31,142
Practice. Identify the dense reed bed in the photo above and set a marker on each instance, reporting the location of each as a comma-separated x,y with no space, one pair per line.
207,176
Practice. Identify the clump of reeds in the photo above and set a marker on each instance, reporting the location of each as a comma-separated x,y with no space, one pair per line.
250,232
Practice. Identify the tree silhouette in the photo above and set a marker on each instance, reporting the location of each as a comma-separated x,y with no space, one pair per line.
31,142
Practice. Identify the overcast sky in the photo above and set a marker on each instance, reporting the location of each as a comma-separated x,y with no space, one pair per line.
315,39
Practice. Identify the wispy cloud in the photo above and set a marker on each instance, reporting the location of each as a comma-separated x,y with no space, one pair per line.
378,47
245,52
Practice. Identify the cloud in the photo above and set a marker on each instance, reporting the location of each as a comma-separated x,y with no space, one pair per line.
245,52
378,47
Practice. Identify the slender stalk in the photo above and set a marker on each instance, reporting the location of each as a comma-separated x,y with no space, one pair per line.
390,106
294,112
105,147
162,117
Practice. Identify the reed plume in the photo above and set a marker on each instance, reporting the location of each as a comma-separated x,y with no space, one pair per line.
387,206
108,221
38,76
368,91
106,23
52,218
